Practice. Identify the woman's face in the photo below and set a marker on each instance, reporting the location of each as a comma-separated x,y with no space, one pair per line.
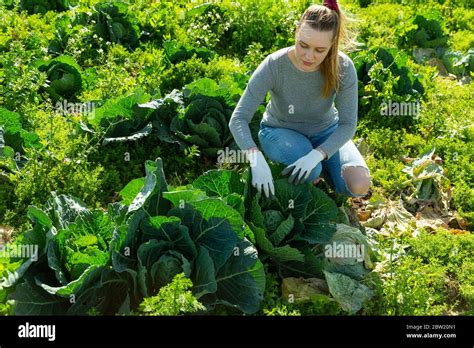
312,46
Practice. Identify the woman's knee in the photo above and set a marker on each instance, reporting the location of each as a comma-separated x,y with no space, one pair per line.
357,179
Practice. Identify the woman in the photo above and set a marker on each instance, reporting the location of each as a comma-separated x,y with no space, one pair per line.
301,127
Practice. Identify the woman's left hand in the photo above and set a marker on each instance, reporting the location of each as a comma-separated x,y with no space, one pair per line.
301,169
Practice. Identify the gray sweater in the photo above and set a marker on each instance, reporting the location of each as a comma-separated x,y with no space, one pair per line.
296,102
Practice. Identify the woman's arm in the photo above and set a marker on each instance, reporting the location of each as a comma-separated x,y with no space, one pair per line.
261,81
346,103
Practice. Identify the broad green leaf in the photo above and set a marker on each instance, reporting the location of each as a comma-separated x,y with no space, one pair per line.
215,234
178,198
69,289
317,233
273,219
235,201
126,241
282,231
320,208
150,196
220,183
170,230
117,212
55,264
94,293
11,278
204,274
291,199
216,208
33,300
65,209
208,207
241,280
209,88
120,108
38,216
281,254
255,213
139,134
40,234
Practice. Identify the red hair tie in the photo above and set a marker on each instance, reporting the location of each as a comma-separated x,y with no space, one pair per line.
332,4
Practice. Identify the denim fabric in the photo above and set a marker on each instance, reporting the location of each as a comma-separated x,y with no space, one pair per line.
283,145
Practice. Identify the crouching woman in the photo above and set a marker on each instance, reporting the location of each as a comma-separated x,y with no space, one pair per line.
311,117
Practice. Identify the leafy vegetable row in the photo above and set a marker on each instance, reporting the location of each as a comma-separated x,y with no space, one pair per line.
107,262
93,261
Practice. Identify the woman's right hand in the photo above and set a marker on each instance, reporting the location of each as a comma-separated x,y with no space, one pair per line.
261,173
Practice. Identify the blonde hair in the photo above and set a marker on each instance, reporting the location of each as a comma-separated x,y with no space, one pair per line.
323,18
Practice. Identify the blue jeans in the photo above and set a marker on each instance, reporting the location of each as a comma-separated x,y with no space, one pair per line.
283,145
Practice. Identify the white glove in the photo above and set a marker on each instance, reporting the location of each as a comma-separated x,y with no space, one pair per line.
301,168
261,173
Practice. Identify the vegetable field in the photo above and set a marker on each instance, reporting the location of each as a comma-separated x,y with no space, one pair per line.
121,192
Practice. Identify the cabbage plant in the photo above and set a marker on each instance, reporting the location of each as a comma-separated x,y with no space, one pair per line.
106,262
115,23
64,76
299,231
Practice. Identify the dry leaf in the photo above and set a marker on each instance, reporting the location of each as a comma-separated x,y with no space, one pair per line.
301,289
364,215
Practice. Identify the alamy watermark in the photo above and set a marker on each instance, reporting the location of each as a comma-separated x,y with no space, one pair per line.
227,155
68,108
394,108
20,251
37,331
344,251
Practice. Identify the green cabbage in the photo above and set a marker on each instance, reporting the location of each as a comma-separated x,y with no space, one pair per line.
43,6
428,33
293,229
458,64
198,115
107,261
177,53
64,76
115,23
